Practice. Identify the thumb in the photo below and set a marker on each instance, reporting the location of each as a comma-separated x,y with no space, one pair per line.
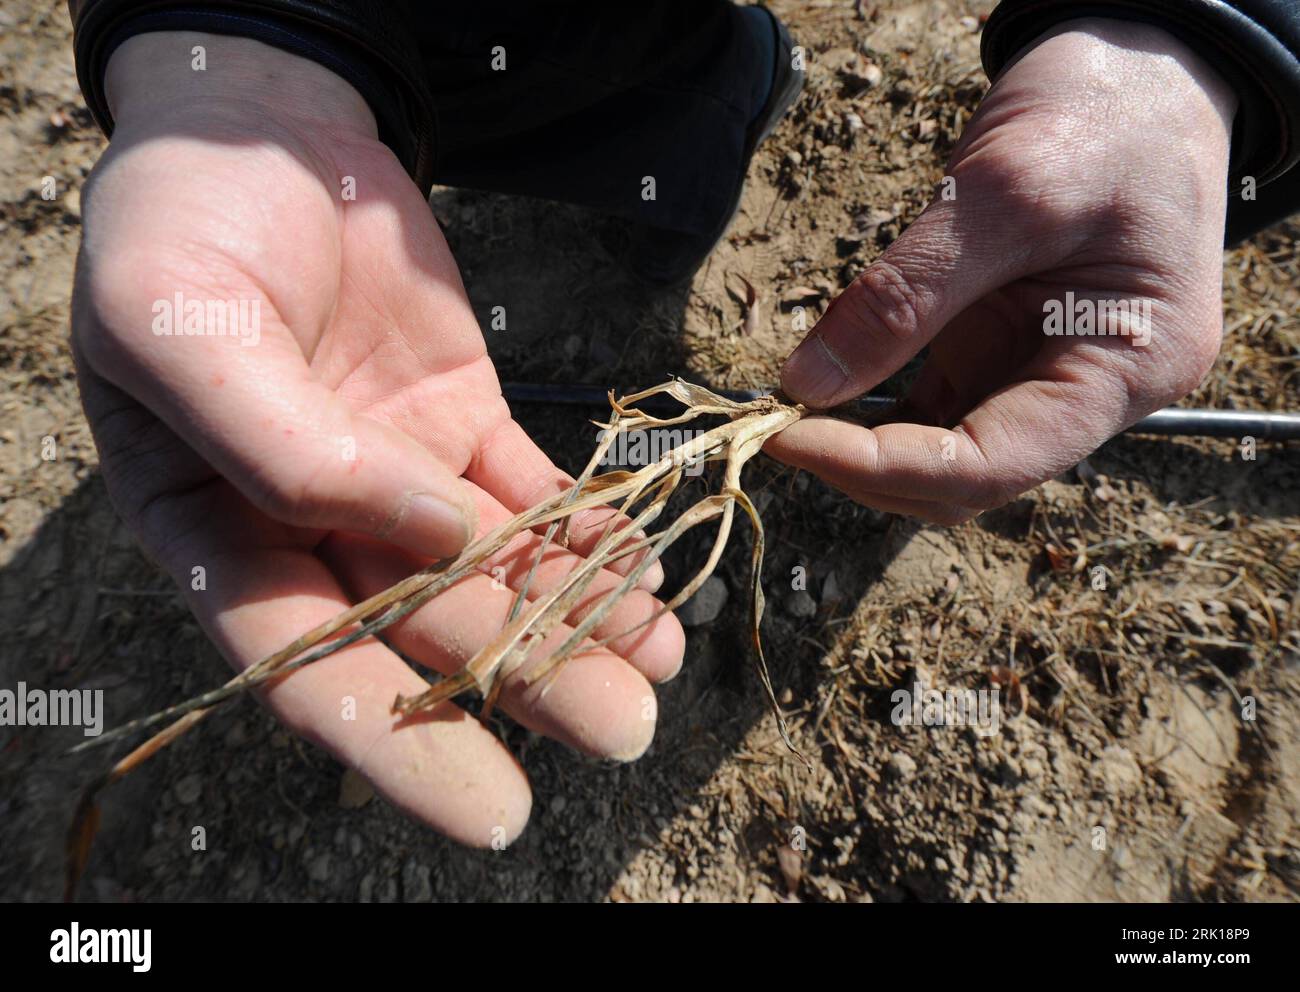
345,471
947,260
299,453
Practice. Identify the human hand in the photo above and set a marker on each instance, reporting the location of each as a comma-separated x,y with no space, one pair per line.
277,470
1097,166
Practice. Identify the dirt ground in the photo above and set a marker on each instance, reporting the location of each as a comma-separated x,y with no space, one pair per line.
1123,770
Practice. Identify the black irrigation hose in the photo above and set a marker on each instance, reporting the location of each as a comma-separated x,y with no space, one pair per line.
1170,421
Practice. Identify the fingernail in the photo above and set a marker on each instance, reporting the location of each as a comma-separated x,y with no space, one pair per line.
443,526
814,375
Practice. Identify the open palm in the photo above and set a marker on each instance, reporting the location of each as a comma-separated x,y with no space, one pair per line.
360,435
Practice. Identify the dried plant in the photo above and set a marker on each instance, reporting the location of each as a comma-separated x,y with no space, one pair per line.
640,495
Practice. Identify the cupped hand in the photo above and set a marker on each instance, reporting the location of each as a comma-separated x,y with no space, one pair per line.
1094,170
343,427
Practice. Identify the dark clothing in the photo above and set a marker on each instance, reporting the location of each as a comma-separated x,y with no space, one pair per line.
596,96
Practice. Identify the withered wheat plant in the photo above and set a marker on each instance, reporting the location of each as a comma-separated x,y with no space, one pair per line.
641,496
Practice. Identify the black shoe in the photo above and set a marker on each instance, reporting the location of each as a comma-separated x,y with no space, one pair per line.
666,258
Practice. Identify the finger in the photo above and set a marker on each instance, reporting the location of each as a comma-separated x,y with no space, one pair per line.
656,649
598,703
292,446
947,260
518,474
447,770
1018,437
257,600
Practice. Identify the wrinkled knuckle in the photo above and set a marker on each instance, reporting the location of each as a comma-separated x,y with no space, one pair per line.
886,305
287,494
134,456
990,473
165,527
132,448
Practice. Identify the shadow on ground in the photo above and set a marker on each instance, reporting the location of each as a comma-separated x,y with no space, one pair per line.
85,610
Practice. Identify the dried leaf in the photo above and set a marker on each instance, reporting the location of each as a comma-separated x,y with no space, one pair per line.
641,496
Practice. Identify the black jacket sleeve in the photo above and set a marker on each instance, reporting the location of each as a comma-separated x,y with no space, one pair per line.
367,42
1253,44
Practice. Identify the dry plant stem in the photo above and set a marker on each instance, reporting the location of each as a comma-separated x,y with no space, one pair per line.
748,426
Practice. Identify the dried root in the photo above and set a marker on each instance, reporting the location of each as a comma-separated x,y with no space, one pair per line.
641,496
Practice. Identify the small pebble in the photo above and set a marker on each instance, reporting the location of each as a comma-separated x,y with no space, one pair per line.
705,606
801,605
189,789
902,766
